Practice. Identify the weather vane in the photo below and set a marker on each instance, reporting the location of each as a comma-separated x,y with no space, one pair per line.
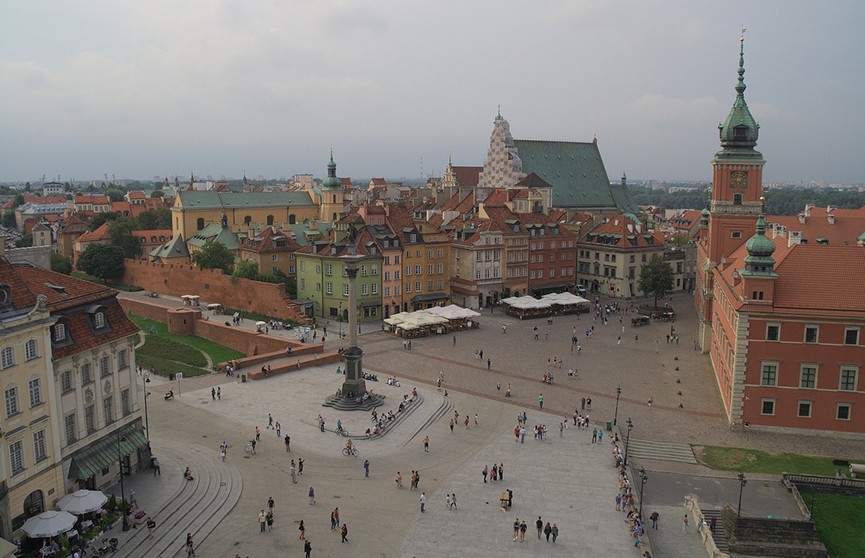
742,36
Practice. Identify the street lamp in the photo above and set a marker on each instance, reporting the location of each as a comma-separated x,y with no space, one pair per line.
616,416
123,505
628,439
742,483
643,479
340,319
146,378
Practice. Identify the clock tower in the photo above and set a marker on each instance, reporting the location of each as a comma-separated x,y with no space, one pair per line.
737,181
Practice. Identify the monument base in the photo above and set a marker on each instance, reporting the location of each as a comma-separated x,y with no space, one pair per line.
346,404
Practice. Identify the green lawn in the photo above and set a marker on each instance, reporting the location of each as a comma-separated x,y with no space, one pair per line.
755,461
167,353
160,346
840,522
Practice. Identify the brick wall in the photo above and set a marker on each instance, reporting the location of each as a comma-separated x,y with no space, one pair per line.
213,286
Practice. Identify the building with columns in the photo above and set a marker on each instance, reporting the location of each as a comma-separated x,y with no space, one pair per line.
782,320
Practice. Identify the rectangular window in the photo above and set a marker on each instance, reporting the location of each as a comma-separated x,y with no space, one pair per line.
99,320
66,381
851,336
408,287
811,334
12,402
318,287
363,271
345,290
7,357
429,269
16,456
40,449
108,409
104,367
318,269
769,377
768,407
90,419
773,332
417,288
396,259
440,269
417,270
374,269
303,283
429,254
396,275
804,410
407,270
364,289
842,412
808,376
328,269
122,360
387,291
125,407
35,392
328,288
30,351
59,332
302,265
69,424
848,379
375,288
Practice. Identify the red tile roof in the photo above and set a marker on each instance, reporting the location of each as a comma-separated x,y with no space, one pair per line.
267,240
621,232
467,176
848,224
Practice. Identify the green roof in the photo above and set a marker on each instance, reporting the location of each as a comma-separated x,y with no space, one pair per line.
104,453
216,233
233,200
174,248
576,172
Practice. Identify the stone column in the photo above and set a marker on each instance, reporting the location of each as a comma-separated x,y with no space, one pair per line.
354,382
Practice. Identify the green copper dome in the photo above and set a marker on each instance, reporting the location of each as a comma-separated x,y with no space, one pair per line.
332,181
740,130
758,245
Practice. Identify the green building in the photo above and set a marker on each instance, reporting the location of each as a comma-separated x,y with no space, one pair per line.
321,278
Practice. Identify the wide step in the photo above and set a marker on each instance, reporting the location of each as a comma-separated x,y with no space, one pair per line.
662,451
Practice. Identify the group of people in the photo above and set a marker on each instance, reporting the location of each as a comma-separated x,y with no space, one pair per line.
625,502
550,530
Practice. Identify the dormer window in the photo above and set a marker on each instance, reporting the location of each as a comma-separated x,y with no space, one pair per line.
5,294
98,317
99,320
59,333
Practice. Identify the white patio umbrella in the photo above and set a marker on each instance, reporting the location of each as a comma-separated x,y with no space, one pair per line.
82,501
49,524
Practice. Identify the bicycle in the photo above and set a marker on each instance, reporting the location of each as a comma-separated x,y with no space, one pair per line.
342,432
249,448
353,451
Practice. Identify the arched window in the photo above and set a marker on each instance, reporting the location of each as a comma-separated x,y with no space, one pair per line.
292,219
334,218
737,199
34,504
269,220
334,198
247,220
31,350
7,357
199,223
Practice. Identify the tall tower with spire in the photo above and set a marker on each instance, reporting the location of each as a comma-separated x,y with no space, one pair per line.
502,167
331,194
737,181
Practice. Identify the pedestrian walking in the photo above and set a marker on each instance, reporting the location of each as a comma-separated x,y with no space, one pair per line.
269,422
311,495
485,473
307,549
151,526
541,400
300,463
489,364
548,530
190,546
332,522
287,442
523,529
257,434
270,504
422,502
476,419
540,525
157,471
454,500
278,428
366,468
655,517
302,529
336,515
293,471
262,521
426,444
685,524
213,393
516,529
344,532
219,392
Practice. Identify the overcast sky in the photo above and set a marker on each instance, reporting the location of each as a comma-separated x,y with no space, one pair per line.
144,88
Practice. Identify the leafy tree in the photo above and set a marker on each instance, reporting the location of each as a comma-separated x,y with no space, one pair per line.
120,233
656,278
101,218
60,264
27,186
115,194
9,219
153,219
213,255
24,241
246,269
19,200
157,194
102,260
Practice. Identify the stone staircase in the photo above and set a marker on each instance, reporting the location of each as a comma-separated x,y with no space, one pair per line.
720,535
197,507
662,451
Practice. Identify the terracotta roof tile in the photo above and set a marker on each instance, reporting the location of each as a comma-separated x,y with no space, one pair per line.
467,176
848,224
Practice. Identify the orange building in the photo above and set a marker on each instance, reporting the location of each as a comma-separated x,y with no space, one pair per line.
781,314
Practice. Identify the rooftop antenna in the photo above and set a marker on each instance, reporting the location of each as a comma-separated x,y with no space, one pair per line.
421,166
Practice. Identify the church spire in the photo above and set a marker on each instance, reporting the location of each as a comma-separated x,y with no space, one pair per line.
739,131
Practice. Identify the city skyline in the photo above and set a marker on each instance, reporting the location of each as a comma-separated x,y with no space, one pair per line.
395,89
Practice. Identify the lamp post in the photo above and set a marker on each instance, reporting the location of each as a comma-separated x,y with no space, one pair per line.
643,479
616,416
123,506
145,376
628,440
340,319
742,483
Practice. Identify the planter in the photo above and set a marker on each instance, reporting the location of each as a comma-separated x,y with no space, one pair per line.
140,520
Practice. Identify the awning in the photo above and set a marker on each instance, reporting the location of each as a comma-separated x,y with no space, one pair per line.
429,297
465,291
7,548
370,303
102,454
